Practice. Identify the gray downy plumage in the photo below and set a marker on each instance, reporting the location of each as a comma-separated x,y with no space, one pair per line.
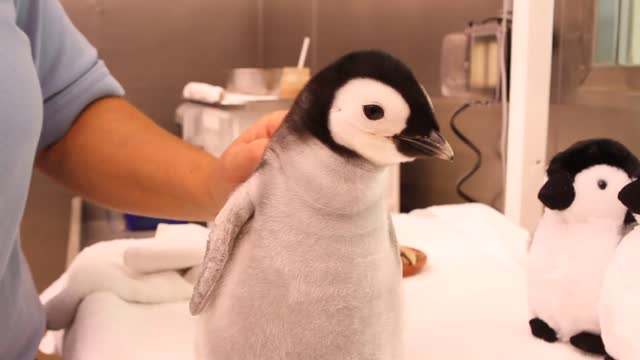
302,261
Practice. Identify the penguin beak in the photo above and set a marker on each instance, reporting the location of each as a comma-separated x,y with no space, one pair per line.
432,145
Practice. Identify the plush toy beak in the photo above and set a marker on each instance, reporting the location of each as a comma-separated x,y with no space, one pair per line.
433,145
630,196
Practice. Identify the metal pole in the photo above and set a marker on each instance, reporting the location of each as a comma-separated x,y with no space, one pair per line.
531,49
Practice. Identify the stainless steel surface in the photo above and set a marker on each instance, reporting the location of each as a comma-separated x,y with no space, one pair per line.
454,76
155,48
470,62
587,101
410,29
485,36
101,224
413,31
255,81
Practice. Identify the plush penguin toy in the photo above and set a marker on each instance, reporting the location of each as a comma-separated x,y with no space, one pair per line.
582,224
302,262
620,299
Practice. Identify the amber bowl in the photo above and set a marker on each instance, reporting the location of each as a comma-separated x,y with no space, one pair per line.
408,269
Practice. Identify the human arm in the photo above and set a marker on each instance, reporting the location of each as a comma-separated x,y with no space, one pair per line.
97,144
117,157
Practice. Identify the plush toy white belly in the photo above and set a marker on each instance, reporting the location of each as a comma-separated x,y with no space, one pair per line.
566,267
620,301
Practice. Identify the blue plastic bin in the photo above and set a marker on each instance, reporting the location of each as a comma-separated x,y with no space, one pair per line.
143,223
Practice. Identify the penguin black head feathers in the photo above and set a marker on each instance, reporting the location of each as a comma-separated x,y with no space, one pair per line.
593,167
369,104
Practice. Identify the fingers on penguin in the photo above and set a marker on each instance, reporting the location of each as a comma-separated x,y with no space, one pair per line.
302,261
619,315
582,224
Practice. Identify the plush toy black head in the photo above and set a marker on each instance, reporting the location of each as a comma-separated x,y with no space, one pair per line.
558,193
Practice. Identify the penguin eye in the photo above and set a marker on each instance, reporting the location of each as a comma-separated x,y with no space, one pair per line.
602,184
373,111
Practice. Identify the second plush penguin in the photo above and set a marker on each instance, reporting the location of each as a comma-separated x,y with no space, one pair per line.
620,299
302,262
582,224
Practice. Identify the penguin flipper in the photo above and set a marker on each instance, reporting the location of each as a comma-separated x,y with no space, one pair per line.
237,211
542,330
394,240
588,342
392,232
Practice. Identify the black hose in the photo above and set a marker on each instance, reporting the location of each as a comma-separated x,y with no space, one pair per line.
471,145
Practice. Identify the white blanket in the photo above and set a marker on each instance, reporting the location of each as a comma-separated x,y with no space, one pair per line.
468,303
137,270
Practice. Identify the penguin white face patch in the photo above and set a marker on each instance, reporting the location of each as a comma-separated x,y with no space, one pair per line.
364,117
597,189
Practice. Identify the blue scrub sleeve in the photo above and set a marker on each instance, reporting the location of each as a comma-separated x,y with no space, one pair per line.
71,74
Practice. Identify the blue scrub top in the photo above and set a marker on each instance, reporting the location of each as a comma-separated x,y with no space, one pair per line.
48,74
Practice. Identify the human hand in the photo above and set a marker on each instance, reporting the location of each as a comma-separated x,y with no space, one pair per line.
241,158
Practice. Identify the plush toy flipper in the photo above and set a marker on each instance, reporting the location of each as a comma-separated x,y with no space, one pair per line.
227,226
558,192
542,330
628,218
588,342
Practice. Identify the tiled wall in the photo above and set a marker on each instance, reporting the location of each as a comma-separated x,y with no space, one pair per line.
409,29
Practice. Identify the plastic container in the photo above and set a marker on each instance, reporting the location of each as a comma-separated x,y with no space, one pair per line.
293,81
254,81
143,223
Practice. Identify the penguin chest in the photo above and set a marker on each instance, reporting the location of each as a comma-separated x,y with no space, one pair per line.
619,315
304,286
566,268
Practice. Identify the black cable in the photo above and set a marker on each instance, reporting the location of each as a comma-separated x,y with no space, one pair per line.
471,145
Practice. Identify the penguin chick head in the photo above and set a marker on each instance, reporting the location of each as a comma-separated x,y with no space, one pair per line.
369,105
584,181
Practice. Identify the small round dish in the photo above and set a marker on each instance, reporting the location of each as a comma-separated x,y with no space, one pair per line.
409,269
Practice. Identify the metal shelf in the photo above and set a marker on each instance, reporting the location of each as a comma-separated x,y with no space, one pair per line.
90,224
